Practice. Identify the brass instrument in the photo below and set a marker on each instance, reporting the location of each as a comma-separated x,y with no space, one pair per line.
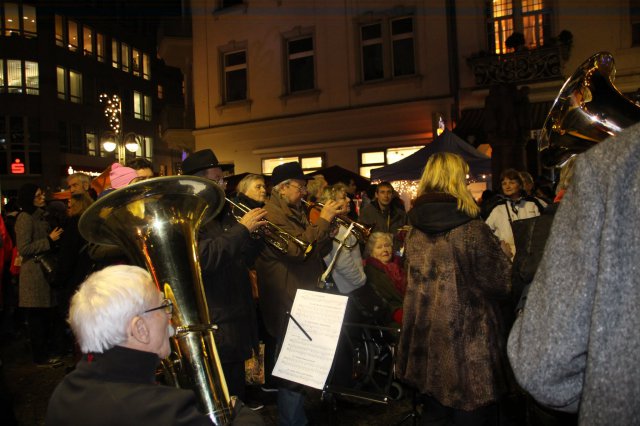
587,110
155,222
358,230
273,234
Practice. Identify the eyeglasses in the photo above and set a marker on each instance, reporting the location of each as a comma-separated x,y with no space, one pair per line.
299,187
167,305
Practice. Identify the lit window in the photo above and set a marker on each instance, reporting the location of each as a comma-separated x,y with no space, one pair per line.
115,53
387,48
135,62
87,41
59,31
160,92
528,17
146,67
301,68
61,75
11,19
75,87
14,76
2,79
147,108
370,160
148,147
72,34
91,142
32,80
137,105
100,47
29,20
309,163
125,57
235,76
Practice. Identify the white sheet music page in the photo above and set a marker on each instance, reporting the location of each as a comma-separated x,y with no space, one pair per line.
306,361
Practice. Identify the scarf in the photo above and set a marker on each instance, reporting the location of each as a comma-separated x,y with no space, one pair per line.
393,270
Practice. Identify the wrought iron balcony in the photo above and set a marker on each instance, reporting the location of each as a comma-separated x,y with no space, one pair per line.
525,66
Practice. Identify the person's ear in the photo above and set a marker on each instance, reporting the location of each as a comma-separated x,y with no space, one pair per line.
140,330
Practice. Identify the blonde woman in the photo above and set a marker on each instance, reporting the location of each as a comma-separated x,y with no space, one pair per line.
452,345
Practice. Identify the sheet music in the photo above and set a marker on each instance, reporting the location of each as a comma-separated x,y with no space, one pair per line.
305,361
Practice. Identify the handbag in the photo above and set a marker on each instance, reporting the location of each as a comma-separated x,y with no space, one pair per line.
48,262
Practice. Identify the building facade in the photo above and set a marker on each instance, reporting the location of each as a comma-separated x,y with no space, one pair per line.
56,59
358,83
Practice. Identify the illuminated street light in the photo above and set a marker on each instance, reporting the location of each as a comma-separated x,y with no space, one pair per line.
114,140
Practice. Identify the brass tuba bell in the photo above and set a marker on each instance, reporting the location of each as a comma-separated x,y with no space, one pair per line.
587,110
155,222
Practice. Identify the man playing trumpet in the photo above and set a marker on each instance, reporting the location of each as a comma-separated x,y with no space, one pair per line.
280,275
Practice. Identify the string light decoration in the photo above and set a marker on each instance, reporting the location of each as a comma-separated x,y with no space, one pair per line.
112,110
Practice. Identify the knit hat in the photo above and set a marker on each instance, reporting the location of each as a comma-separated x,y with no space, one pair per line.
121,176
287,171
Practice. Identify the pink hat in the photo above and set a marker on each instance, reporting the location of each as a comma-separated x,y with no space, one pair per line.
121,176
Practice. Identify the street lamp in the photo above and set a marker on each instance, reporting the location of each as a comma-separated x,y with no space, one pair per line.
114,139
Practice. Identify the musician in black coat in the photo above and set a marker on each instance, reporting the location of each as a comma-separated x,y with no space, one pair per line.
226,251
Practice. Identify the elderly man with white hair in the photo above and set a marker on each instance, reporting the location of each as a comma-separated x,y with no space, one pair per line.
122,324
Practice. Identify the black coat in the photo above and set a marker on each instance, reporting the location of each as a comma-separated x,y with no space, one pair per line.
118,388
226,251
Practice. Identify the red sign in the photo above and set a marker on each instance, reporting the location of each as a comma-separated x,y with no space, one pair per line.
17,168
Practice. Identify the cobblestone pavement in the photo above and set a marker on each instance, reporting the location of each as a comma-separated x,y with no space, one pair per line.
29,387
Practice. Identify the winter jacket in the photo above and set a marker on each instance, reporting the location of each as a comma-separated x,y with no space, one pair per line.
32,238
452,345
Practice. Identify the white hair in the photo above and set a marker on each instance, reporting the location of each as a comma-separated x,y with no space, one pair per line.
278,187
106,302
373,239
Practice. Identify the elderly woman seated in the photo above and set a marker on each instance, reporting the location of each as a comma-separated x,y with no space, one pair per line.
385,273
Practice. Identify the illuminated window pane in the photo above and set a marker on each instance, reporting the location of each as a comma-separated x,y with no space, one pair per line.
2,82
62,83
92,144
135,62
75,87
311,163
268,164
31,77
11,19
125,57
148,147
59,31
87,40
397,154
372,157
14,76
146,67
366,170
100,47
72,34
137,105
115,53
29,20
147,108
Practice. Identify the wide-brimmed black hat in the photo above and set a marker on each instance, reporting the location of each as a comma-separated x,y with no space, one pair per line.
202,160
286,171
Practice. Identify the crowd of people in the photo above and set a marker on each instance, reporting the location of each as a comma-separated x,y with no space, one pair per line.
478,324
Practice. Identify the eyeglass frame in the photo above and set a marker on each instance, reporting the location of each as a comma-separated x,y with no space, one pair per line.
301,188
166,304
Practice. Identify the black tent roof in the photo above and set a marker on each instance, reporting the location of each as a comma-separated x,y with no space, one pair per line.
411,168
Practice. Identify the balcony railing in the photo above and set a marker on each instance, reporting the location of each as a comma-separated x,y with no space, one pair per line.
526,66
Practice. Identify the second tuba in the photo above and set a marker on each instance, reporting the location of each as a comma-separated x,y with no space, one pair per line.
155,222
587,110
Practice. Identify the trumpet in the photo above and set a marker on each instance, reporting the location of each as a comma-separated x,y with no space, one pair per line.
358,230
273,234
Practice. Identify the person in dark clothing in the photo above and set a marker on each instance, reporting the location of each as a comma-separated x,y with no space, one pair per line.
122,324
226,250
384,213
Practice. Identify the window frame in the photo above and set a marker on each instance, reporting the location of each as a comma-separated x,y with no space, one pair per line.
386,42
281,159
226,70
289,58
513,20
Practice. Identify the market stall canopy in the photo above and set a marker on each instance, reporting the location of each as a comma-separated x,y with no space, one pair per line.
411,168
335,174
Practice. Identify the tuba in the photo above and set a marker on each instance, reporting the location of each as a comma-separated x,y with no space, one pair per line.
587,110
155,222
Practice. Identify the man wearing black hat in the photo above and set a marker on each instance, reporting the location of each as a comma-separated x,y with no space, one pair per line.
226,249
281,275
